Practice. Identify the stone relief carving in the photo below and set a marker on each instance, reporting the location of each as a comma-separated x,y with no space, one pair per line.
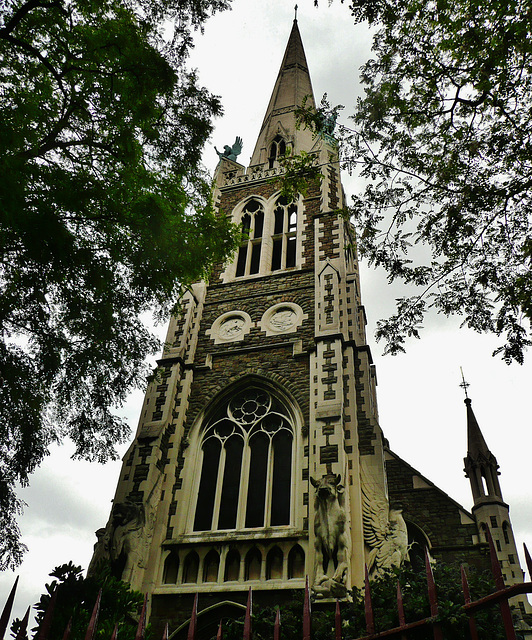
285,317
124,542
330,538
230,327
385,531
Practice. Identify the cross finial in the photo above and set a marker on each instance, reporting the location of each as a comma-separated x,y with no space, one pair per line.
464,384
295,12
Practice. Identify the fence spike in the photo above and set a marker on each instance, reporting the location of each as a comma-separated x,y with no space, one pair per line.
277,626
368,608
44,629
433,597
141,628
400,607
115,632
193,625
91,629
247,619
6,613
219,634
337,622
528,562
68,629
467,599
21,635
306,612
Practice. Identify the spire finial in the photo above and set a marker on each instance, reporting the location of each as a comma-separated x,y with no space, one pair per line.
464,384
295,12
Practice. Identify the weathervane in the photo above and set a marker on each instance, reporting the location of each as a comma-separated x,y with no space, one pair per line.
464,384
295,11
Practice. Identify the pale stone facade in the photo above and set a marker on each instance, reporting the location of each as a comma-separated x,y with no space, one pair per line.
258,458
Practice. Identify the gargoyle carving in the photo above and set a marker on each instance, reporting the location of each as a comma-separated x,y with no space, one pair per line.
330,538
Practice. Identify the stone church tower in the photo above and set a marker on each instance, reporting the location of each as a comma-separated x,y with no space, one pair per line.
258,458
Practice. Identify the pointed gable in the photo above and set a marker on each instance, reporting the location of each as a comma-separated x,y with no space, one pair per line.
291,88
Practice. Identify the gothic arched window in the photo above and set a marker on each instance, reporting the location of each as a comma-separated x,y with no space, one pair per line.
277,148
248,261
284,234
246,468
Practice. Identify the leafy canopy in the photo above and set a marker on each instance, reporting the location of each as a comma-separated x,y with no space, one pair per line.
105,213
443,139
75,601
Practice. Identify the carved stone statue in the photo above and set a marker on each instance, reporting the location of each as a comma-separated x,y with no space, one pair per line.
231,153
385,531
330,538
119,543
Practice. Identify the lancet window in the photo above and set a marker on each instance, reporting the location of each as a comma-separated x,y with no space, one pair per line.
246,467
277,148
248,261
284,234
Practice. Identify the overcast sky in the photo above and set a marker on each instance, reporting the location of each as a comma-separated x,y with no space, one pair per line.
420,401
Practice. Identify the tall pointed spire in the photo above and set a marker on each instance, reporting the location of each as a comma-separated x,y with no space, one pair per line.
291,88
480,465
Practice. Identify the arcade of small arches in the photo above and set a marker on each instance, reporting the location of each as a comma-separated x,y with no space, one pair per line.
220,566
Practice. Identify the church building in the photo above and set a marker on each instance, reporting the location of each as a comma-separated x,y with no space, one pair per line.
259,459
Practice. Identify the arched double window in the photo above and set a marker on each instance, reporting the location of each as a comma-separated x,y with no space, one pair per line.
277,149
246,467
248,261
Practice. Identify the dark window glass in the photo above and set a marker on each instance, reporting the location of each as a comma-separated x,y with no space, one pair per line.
241,263
255,259
253,563
232,566
259,223
274,564
207,488
505,533
190,567
279,219
210,566
493,522
291,252
282,148
282,467
257,480
277,251
296,562
171,567
246,223
231,483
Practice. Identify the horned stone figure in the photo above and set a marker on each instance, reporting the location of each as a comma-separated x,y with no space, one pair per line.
330,538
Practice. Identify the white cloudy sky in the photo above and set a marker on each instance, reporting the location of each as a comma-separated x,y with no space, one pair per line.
420,401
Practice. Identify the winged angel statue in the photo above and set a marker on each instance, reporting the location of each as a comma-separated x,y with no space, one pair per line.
385,530
231,153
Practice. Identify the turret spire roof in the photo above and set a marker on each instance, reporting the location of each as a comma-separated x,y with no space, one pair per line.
291,88
476,445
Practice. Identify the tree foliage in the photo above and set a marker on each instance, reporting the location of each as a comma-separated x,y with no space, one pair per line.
443,139
75,601
105,214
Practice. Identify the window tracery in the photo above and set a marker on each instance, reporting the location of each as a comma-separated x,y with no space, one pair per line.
277,149
246,468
